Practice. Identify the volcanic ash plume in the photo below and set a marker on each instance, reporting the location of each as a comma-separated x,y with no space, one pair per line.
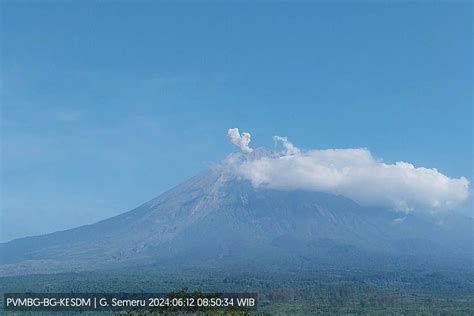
240,140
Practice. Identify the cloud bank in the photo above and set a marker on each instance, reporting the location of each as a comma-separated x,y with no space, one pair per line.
241,141
356,174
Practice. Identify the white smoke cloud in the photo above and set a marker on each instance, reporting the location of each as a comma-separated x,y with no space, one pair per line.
356,174
290,149
241,141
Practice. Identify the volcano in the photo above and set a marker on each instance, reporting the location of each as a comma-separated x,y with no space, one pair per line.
218,218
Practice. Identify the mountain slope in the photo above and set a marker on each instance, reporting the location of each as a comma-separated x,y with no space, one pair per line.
217,217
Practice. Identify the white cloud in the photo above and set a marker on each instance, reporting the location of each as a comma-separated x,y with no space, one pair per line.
241,141
356,174
290,149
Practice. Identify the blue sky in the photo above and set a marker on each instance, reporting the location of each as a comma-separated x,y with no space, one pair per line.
105,105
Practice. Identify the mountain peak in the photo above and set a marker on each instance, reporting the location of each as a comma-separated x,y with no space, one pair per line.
258,153
261,152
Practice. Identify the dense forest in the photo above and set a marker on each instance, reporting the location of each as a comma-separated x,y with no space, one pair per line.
420,292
